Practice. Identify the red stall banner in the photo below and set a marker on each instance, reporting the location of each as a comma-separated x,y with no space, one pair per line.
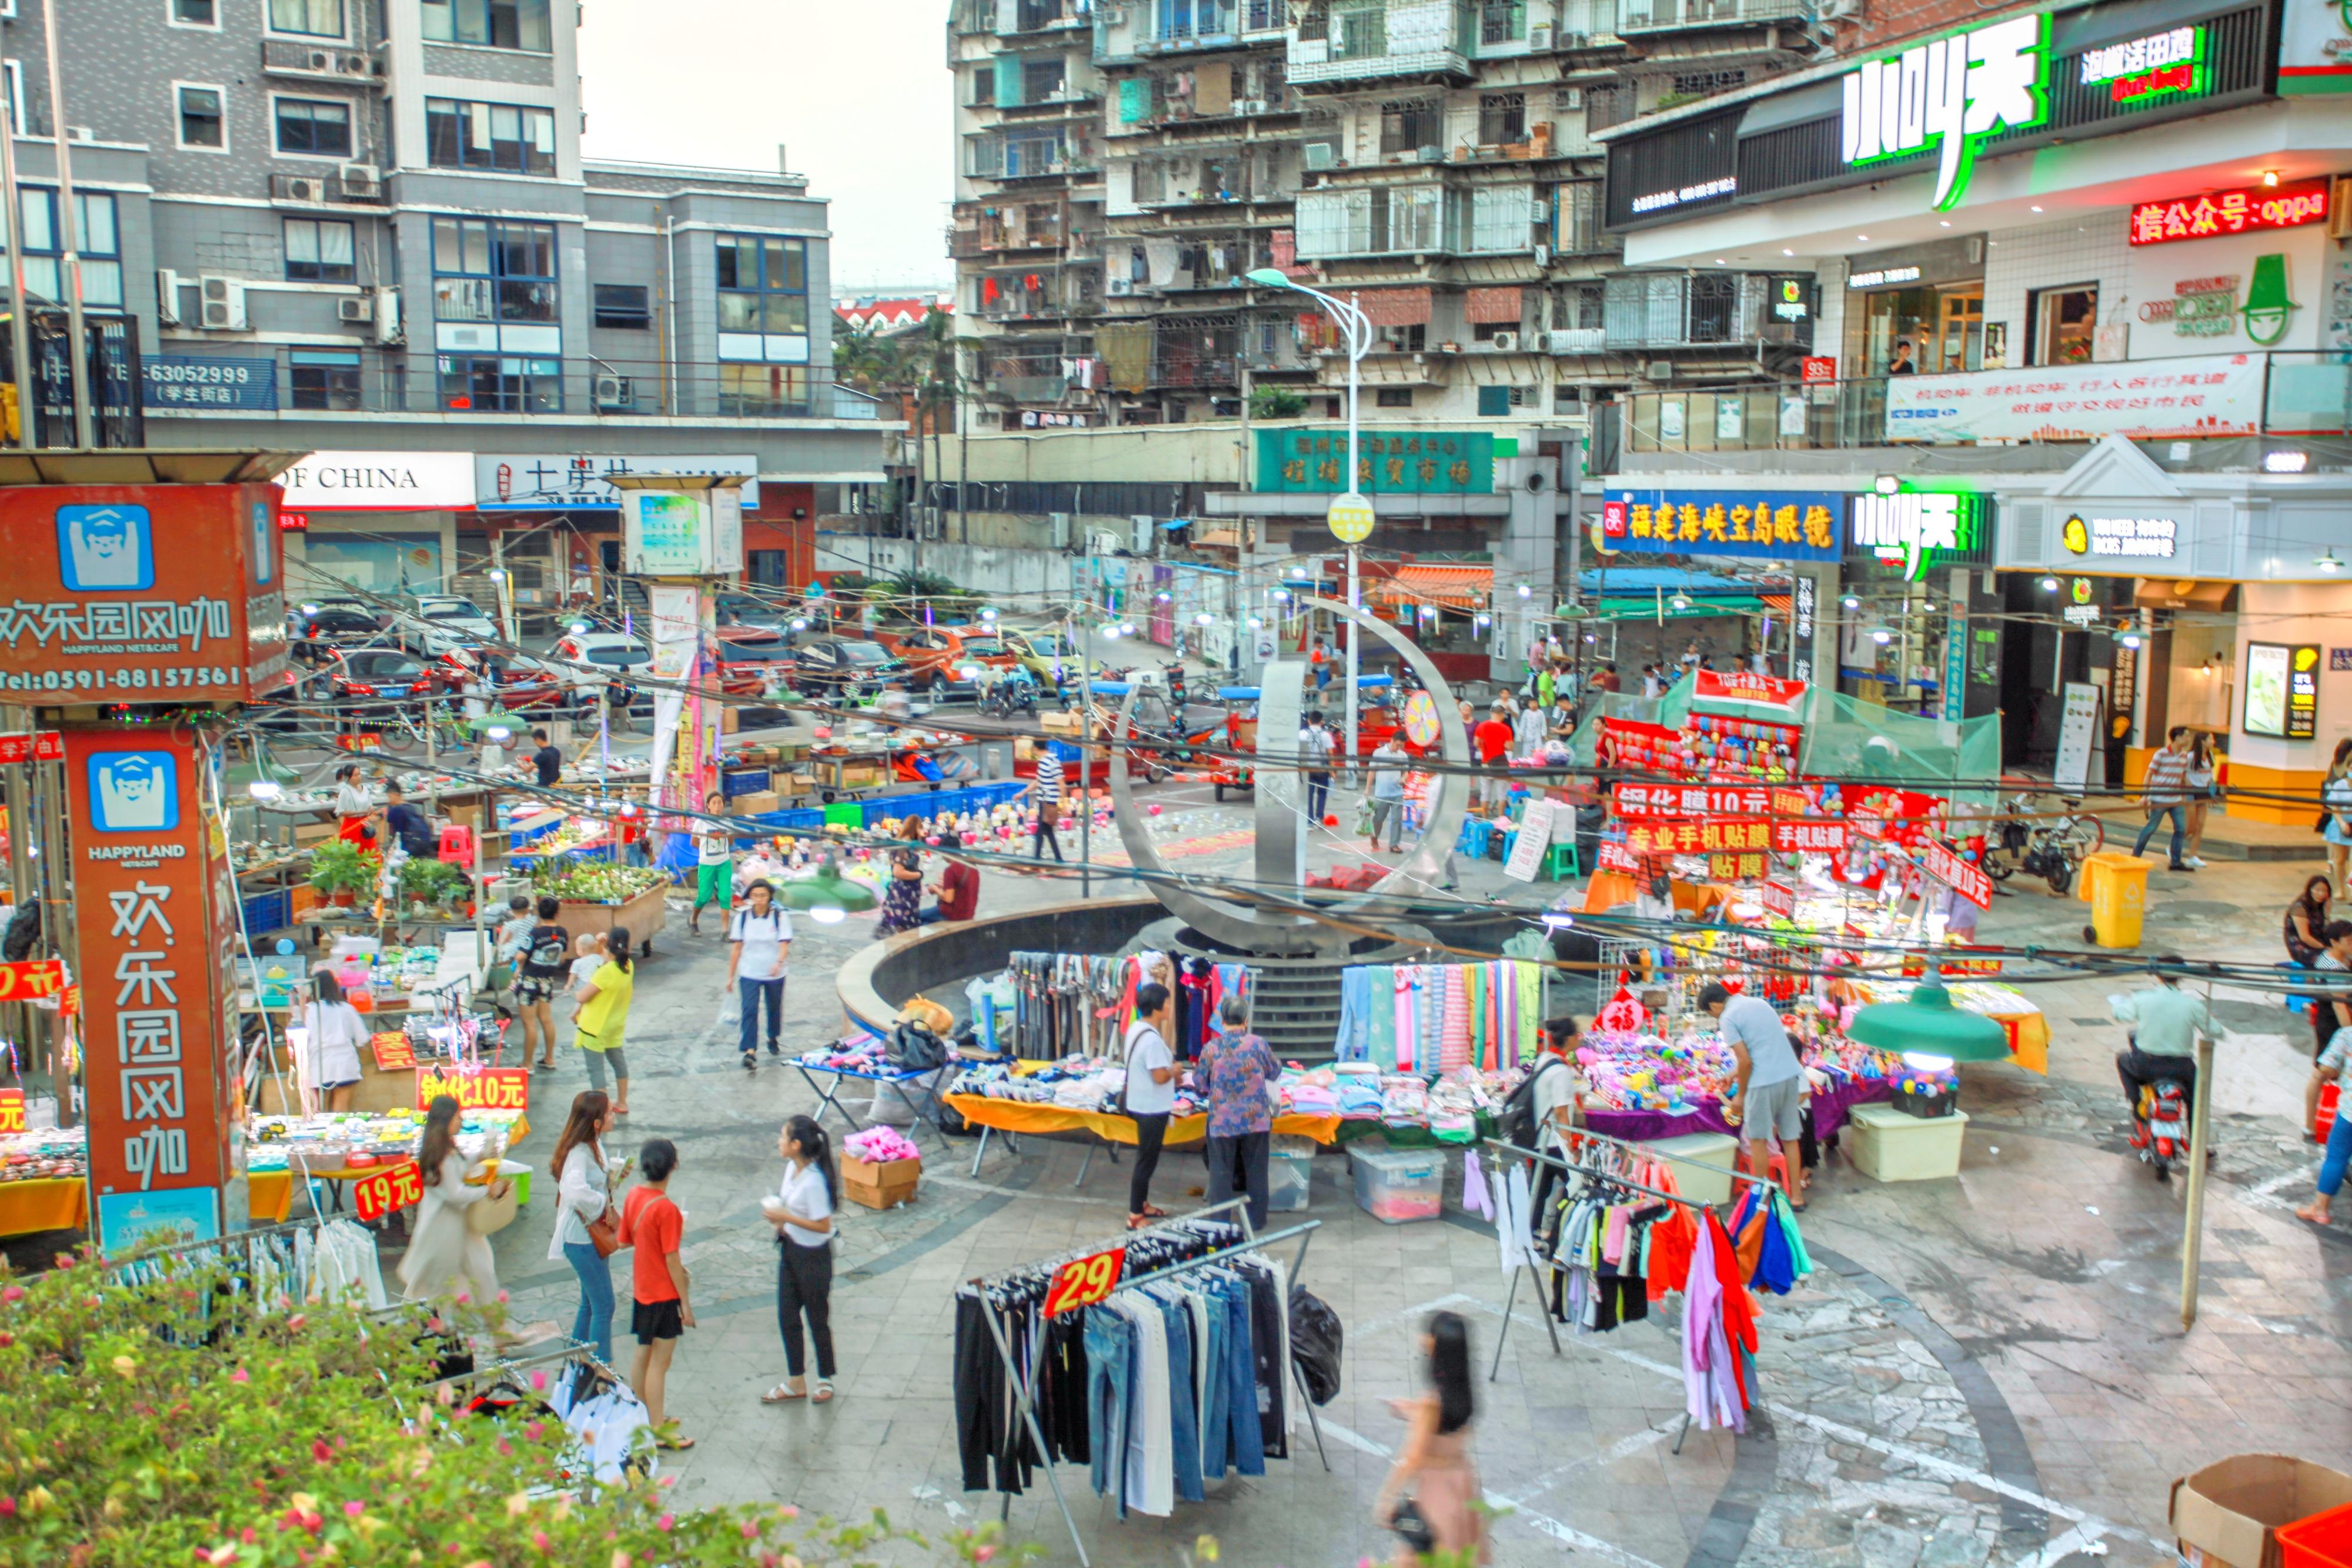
476,1089
1970,881
1615,856
12,1110
1740,686
1686,836
1811,837
150,876
378,1193
30,977
142,593
1778,898
41,746
1643,801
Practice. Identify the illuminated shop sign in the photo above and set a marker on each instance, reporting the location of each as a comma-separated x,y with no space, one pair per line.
1914,528
2142,69
1882,277
2148,538
2199,306
1949,94
2220,212
1659,201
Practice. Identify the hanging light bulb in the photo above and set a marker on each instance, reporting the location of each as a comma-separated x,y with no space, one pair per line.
1523,591
1852,602
1205,619
1255,622
1881,635
2326,561
828,914
264,789
1679,602
799,624
2049,585
985,615
2130,639
1281,595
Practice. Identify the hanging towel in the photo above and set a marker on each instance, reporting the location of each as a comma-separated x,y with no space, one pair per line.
1473,1187
1454,1048
1380,1042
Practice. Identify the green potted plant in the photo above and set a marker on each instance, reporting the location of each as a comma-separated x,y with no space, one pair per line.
426,882
341,871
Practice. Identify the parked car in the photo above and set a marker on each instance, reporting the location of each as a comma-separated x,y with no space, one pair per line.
937,659
591,661
752,660
750,610
336,619
375,674
439,625
522,680
1049,655
847,668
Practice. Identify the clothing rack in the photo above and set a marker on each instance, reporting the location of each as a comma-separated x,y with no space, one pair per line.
1024,1388
1526,1267
1573,1133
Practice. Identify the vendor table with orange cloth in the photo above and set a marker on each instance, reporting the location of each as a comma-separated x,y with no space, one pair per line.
269,1194
1608,889
52,1203
1017,1116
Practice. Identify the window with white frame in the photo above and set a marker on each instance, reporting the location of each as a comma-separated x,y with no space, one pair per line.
512,138
99,246
203,116
320,250
763,303
1501,219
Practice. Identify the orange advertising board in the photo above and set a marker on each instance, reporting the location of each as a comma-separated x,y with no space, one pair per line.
149,872
141,593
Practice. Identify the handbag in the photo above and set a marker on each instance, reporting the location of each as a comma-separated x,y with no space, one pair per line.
605,1232
1412,1529
1049,812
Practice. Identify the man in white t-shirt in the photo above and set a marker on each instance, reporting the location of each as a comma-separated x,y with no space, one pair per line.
1151,1095
761,932
714,862
1770,1101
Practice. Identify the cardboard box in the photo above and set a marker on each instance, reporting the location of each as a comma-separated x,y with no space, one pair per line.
308,834
730,720
1055,722
1025,748
2227,1515
757,803
883,1186
798,784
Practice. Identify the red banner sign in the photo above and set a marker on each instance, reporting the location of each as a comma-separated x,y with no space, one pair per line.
1740,686
142,593
1779,899
378,1193
1648,802
1955,962
1615,856
483,1088
150,880
41,746
1735,868
2243,211
31,978
12,1110
1813,836
393,1051
1686,837
1967,880
1085,1281
1817,370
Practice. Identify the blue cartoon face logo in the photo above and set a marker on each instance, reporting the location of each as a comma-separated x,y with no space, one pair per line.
134,792
259,546
105,549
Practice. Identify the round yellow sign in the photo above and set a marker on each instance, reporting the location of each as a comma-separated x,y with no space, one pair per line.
1350,519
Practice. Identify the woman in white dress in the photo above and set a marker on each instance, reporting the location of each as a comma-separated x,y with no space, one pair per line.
444,1254
332,1030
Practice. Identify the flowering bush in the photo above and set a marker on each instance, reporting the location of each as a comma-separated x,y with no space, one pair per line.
165,1424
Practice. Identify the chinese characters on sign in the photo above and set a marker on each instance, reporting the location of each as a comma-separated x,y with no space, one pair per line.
31,978
1313,461
12,1110
43,745
581,481
2220,395
2146,537
1650,801
1710,836
393,1051
1951,94
1916,529
2218,213
381,1192
1783,524
158,1099
2146,67
1745,686
1961,876
205,380
482,1089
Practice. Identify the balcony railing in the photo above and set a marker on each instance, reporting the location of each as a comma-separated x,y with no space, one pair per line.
2285,395
1661,15
1376,41
330,383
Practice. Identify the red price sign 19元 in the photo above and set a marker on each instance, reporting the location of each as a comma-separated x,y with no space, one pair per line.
1085,1281
378,1193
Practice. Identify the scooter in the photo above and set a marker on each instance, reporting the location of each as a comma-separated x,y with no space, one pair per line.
2160,1126
1010,695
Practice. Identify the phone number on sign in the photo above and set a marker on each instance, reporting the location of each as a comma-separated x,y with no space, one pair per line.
129,680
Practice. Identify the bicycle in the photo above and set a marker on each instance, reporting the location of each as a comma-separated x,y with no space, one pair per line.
2052,850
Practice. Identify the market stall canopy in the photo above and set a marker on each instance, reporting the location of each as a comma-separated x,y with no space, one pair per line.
1929,1023
144,465
1454,587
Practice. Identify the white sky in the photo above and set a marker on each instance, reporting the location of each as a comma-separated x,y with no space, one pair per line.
858,93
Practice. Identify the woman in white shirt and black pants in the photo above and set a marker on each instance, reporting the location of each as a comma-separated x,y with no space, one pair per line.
332,1031
802,1213
1150,1097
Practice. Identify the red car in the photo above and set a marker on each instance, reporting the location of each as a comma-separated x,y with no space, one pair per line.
370,674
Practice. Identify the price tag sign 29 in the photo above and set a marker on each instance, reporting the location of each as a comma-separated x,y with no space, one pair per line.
1085,1281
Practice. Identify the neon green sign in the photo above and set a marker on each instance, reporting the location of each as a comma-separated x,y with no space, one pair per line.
1950,94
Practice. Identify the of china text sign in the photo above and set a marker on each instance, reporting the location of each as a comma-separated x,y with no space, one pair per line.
2219,394
141,593
159,1097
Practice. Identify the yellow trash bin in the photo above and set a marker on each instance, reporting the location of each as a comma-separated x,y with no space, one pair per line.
2116,882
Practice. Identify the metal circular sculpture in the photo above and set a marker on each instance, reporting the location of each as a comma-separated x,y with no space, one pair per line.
1281,865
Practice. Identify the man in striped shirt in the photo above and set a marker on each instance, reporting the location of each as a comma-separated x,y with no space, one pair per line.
1049,804
2165,793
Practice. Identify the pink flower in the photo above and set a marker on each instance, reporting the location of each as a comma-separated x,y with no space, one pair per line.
321,1452
297,1321
532,1429
6,1339
465,1300
502,1298
539,1382
7,1508
983,1553
240,1375
664,1521
666,1481
505,1449
355,1508
13,1293
539,1540
788,1511
751,1531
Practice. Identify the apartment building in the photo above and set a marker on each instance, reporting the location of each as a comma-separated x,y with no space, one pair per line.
1436,159
365,228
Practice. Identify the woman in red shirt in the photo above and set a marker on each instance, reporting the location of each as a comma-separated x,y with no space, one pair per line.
653,1225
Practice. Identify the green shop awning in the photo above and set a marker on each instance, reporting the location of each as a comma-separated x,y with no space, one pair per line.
1646,608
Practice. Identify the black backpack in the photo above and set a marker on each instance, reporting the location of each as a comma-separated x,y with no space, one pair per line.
1517,1125
417,838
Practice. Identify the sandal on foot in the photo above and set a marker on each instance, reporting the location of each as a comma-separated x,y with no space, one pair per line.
824,1395
1154,1211
783,1393
750,1062
672,1443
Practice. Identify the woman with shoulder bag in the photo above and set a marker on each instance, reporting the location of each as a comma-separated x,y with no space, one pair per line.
2202,791
587,1231
445,1250
1430,1494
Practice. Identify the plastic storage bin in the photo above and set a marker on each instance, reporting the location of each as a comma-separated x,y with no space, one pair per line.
2323,1541
2114,884
1290,1167
1399,1186
1889,1144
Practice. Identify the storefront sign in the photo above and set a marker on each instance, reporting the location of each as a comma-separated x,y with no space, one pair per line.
1805,600
1951,94
2199,308
2123,691
2144,538
1916,528
1955,662
581,481
1083,1282
395,1186
2145,67
211,381
1883,277
41,746
1694,837
2281,690
12,1110
1652,802
1969,881
1818,369
142,593
1809,838
478,1089
1785,525
1745,686
1405,462
30,977
1792,299
2314,51
2242,211
151,885
1779,899
1683,195
381,482
2218,394
2078,729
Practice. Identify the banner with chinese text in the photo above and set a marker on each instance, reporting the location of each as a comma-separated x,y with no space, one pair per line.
1388,462
2142,400
1780,525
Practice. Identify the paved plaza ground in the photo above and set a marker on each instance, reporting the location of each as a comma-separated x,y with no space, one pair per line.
1989,1370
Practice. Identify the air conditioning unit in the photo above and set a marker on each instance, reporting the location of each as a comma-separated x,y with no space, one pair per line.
322,60
355,307
1060,523
80,133
1118,287
1974,247
224,304
388,328
167,297
304,189
1504,342
1251,106
1659,370
1557,342
355,66
1319,155
614,391
1539,37
1143,532
1543,255
362,181
1432,154
1102,541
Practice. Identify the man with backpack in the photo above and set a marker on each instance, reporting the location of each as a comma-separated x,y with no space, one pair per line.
408,825
1542,1109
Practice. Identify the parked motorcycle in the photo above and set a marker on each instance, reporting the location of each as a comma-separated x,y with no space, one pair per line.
2051,849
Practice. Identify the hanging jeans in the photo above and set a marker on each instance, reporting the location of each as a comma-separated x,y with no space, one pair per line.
1245,1442
592,1324
1110,1353
1238,1165
1216,1399
1184,1424
804,1287
754,995
2180,815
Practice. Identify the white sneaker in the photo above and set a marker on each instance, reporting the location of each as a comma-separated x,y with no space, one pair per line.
2198,861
